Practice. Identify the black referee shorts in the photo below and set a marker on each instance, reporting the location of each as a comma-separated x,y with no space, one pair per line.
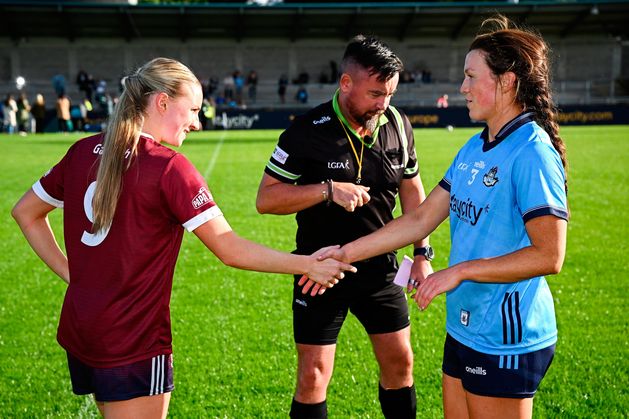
379,305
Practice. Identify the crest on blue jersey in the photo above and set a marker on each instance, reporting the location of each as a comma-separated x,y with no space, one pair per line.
490,178
465,317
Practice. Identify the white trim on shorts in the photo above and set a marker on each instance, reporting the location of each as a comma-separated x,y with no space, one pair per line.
157,374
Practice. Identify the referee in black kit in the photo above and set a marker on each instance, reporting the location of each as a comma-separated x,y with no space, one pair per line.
340,167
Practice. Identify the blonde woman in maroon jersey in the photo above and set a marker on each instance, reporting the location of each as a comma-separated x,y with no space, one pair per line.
126,200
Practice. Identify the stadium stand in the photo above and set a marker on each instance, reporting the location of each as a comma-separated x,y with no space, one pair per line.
42,39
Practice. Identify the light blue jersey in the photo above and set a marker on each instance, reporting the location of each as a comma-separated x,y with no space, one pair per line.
495,188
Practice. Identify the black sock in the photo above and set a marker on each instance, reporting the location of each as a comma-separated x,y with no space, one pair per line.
308,411
398,404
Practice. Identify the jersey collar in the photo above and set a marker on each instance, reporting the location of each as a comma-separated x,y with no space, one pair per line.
144,134
523,118
337,110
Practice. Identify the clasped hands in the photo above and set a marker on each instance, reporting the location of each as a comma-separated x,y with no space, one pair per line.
326,270
426,283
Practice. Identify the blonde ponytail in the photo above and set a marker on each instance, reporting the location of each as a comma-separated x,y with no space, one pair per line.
122,134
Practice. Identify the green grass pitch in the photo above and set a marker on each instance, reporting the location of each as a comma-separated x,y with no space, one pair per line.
234,355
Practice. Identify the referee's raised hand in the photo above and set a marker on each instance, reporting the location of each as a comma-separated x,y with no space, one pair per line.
350,196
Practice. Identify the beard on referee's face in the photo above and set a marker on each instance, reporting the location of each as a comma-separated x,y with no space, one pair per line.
364,118
372,123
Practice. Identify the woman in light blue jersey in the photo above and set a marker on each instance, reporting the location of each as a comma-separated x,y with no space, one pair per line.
505,194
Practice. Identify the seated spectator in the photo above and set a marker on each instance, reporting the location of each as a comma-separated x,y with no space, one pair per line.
302,78
208,112
212,86
78,114
102,98
426,76
239,84
442,102
228,87
252,83
86,83
302,94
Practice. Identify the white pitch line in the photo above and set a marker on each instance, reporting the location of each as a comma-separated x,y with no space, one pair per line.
217,151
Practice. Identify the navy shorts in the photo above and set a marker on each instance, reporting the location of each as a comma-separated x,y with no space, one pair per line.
379,305
509,376
143,378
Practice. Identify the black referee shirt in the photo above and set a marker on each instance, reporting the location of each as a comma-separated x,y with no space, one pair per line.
315,148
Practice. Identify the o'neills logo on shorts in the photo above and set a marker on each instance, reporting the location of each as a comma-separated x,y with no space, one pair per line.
202,198
476,370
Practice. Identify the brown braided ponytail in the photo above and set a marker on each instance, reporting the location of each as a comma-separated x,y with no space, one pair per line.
522,51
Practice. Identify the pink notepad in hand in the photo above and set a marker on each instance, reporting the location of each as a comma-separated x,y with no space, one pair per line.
404,273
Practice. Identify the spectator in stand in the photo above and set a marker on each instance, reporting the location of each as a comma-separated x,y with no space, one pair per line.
101,99
302,78
38,110
212,87
252,83
302,94
442,102
91,87
220,100
81,79
208,111
9,111
426,76
75,117
406,77
239,84
86,84
63,113
79,115
59,84
281,90
228,87
23,114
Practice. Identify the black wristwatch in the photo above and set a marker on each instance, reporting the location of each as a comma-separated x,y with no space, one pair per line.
425,251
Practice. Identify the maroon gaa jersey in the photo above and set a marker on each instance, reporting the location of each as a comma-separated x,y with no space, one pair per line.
116,308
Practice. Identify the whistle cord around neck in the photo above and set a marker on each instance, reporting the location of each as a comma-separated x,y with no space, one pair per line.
359,161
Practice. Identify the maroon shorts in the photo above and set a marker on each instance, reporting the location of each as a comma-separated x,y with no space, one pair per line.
143,378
